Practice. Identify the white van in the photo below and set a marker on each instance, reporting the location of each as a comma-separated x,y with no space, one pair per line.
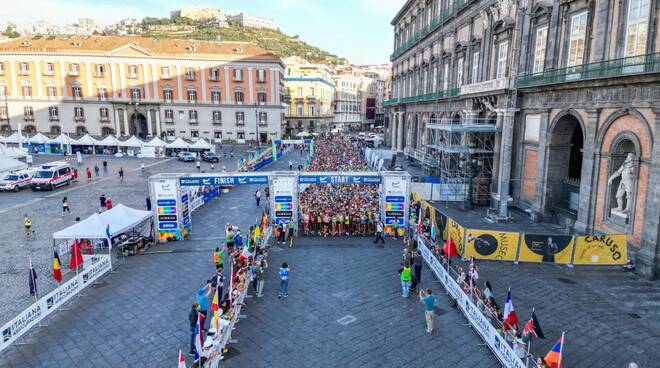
15,181
53,175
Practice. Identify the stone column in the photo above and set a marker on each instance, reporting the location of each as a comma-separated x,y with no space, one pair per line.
400,134
126,130
496,153
393,127
539,199
150,130
648,256
117,122
588,184
158,122
505,162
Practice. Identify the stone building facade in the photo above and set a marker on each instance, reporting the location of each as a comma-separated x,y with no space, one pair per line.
571,90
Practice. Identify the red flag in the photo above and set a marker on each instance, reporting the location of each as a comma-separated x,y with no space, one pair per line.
510,317
450,248
76,255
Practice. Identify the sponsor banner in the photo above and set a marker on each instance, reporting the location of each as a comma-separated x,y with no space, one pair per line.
185,215
601,250
479,322
394,204
457,233
48,303
546,248
494,245
284,194
223,180
339,179
165,193
208,196
166,202
166,218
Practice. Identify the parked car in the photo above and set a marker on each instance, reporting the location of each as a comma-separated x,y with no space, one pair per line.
53,175
15,181
187,156
210,156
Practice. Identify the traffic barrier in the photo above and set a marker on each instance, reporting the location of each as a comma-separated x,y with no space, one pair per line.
477,320
50,302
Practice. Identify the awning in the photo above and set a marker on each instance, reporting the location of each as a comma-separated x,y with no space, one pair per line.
37,139
109,141
120,218
60,139
156,142
14,138
133,141
85,140
178,143
201,144
9,164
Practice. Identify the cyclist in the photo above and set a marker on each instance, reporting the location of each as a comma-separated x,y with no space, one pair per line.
27,224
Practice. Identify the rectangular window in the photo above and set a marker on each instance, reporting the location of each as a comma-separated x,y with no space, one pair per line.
240,118
79,113
194,133
169,115
435,78
192,114
502,51
459,72
217,135
474,73
299,92
103,113
238,75
103,93
539,49
576,44
215,74
168,95
2,68
263,118
27,91
165,72
311,110
170,132
217,116
28,113
50,69
299,109
445,77
132,71
24,68
136,94
238,96
261,75
637,27
100,70
51,91
74,69
192,96
215,97
240,135
261,97
76,92
53,113
532,127
190,74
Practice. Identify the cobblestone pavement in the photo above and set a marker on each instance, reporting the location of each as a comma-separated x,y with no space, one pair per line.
345,310
45,210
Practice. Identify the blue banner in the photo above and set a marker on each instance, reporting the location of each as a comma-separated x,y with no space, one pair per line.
223,180
339,179
395,199
166,202
283,199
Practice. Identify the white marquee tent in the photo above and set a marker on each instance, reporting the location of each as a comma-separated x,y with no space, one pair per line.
201,144
85,140
14,138
156,142
109,141
8,164
133,141
178,143
37,139
120,219
60,139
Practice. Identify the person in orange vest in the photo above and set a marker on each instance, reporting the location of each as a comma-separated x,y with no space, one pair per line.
217,258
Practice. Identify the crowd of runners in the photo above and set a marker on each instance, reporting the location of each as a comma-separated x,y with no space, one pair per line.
338,209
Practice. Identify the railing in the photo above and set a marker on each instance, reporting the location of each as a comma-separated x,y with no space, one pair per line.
633,65
435,23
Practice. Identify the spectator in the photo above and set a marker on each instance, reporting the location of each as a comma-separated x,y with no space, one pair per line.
418,261
108,203
121,174
102,203
427,298
284,281
259,275
405,276
105,166
379,233
203,300
96,170
257,196
217,282
89,174
192,318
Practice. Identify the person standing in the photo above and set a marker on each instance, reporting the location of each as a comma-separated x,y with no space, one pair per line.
257,196
259,275
199,165
217,257
284,281
121,174
102,203
89,174
108,203
379,233
142,167
218,280
212,166
105,166
65,206
203,300
281,239
417,262
427,298
405,276
192,319
395,228
229,236
96,170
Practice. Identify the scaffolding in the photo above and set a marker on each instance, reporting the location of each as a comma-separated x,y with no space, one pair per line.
463,149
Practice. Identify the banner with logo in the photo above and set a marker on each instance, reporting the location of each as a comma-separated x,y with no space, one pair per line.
48,303
546,248
494,245
457,233
601,250
394,206
284,190
166,205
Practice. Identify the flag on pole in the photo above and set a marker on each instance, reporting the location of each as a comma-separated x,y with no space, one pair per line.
215,306
274,148
450,248
553,358
57,272
532,329
419,220
76,256
198,336
182,360
108,235
510,318
433,232
32,276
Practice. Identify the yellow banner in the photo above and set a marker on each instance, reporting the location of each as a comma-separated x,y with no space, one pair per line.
494,245
546,248
456,232
601,250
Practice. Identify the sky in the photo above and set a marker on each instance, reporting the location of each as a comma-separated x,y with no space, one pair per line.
358,30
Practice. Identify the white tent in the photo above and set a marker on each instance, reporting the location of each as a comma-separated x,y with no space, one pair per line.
156,142
120,219
201,144
85,140
178,143
37,139
14,138
13,152
109,141
60,139
132,142
9,164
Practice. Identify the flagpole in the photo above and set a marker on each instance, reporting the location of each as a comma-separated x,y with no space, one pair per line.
561,349
529,343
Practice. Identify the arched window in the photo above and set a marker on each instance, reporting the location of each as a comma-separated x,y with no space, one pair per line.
30,129
55,129
81,130
107,131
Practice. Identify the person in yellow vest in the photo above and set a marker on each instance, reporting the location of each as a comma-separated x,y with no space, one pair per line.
406,277
217,258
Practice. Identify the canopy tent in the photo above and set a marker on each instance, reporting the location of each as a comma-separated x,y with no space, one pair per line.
85,140
37,139
60,139
8,164
178,143
133,141
14,138
201,144
120,218
13,152
156,142
109,141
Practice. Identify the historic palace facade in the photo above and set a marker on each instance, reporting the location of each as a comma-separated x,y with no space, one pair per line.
551,107
140,86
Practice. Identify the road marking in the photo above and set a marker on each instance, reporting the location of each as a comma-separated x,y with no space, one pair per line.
346,320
